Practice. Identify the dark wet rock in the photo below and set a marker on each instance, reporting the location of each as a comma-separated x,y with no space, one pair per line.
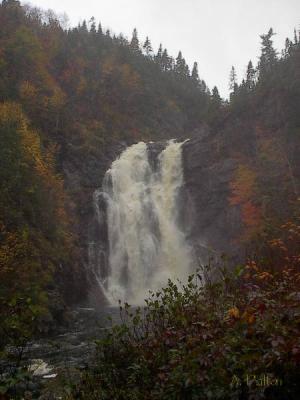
211,224
154,149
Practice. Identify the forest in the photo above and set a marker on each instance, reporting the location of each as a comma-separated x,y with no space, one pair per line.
68,96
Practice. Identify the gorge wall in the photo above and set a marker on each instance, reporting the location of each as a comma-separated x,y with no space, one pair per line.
209,225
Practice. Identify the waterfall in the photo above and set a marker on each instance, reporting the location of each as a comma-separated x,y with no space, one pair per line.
146,244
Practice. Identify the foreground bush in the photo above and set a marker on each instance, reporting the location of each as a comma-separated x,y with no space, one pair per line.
235,338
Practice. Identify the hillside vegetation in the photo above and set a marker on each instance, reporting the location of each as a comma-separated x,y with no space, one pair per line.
67,97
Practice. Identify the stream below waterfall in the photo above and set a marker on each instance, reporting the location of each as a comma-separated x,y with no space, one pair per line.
73,345
58,359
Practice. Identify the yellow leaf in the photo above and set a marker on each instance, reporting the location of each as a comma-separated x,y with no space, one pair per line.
234,312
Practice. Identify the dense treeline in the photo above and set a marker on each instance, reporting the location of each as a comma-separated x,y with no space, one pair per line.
81,79
262,125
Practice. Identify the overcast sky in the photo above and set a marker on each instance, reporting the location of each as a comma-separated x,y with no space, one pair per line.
215,33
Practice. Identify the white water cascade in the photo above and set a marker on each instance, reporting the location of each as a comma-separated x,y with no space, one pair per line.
146,245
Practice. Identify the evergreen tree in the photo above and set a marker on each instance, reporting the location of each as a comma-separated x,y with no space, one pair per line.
122,40
172,63
233,80
250,76
186,70
268,56
83,27
288,47
166,62
158,56
99,31
203,86
180,66
147,47
295,37
214,107
93,25
216,98
135,44
195,73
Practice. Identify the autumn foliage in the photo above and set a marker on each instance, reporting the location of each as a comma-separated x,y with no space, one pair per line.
34,228
217,341
244,189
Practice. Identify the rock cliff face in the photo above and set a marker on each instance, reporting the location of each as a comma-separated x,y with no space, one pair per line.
211,224
83,176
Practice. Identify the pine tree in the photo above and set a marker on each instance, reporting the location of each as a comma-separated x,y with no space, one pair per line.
166,61
135,44
122,40
195,73
172,63
216,98
186,70
147,47
83,27
214,105
203,86
287,49
92,25
268,56
295,37
250,76
180,66
233,80
99,31
158,56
